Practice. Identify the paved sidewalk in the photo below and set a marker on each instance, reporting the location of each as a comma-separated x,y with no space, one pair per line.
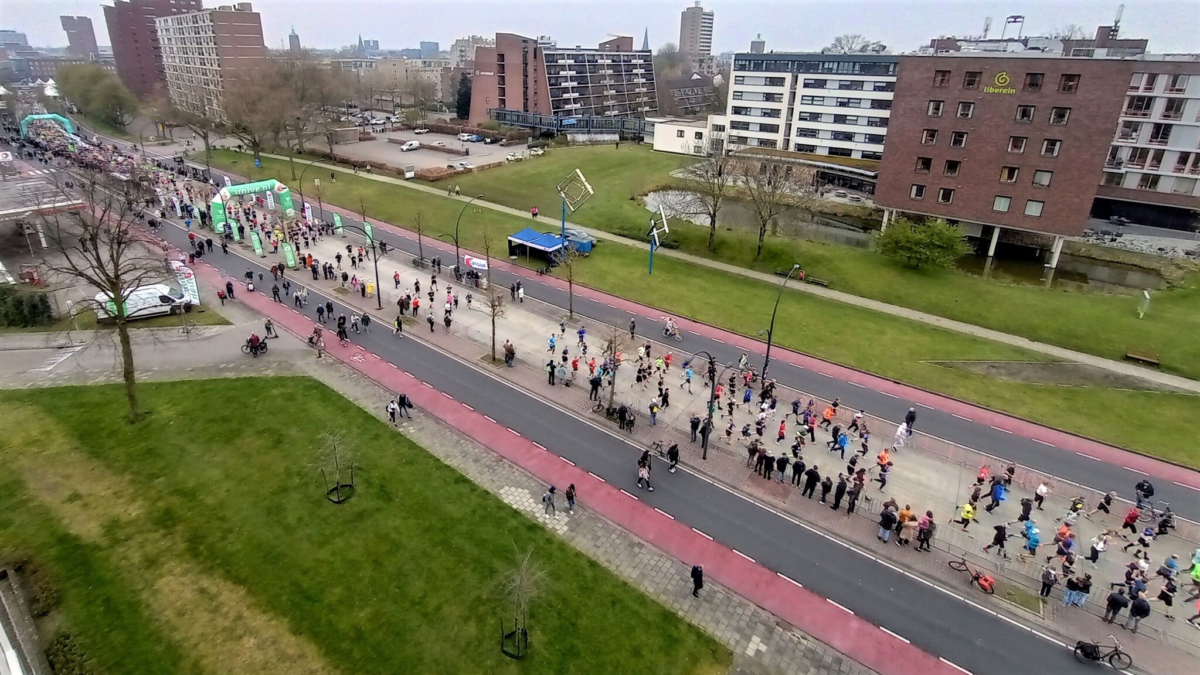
894,310
923,479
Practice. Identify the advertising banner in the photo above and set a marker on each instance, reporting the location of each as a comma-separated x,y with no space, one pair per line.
370,232
217,208
308,216
271,200
289,255
178,210
475,263
256,241
337,223
187,281
228,182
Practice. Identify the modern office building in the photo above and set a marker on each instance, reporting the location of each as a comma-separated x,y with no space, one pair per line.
294,47
1001,141
524,75
203,51
835,105
1152,170
429,50
134,40
81,37
695,30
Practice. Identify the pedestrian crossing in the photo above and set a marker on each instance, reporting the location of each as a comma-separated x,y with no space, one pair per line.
39,172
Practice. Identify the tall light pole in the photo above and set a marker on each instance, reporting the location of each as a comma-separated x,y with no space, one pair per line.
456,223
712,399
771,329
301,183
375,256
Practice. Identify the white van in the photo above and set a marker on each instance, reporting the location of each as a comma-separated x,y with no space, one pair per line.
144,302
410,145
464,137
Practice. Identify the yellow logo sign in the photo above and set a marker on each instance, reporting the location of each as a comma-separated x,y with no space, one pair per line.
1002,79
1001,87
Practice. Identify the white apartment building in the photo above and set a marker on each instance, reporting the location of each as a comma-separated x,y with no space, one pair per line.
823,104
462,51
1153,166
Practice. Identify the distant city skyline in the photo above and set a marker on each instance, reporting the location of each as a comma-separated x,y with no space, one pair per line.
903,25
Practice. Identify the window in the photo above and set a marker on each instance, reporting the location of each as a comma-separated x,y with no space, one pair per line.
841,136
1050,147
966,109
1001,203
916,192
924,164
1025,113
800,147
1160,134
958,139
699,135
1148,181
1184,186
929,137
1068,84
1033,81
1138,106
1059,115
941,78
934,109
1034,207
952,167
1008,174
945,196
1016,144
1173,109
814,84
1042,178
1177,84
1113,179
971,79
679,134
1149,82
876,156
841,152
805,132
718,128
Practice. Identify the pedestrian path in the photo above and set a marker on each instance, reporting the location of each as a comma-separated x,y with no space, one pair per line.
831,294
923,479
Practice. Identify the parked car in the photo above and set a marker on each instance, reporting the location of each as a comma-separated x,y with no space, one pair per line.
513,157
411,145
460,165
440,144
489,141
536,152
574,234
420,131
854,198
464,137
474,138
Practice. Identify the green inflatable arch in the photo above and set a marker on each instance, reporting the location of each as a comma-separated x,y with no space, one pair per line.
220,219
62,121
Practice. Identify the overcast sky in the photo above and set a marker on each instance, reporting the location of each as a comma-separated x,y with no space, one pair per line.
1171,25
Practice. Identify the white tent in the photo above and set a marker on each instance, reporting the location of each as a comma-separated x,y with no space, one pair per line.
51,88
4,92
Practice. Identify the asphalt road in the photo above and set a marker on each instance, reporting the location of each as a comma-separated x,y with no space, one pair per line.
937,622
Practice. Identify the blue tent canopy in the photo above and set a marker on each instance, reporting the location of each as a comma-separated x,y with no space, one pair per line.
533,240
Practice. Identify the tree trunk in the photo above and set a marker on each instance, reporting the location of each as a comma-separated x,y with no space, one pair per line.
571,294
612,391
712,230
207,153
292,166
421,249
127,371
762,233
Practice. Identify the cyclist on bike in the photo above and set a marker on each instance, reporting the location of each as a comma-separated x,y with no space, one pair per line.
254,342
1144,491
671,329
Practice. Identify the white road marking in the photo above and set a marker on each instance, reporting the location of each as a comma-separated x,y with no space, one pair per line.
841,607
1035,440
954,666
50,363
597,477
744,556
692,332
926,406
716,340
889,395
427,385
702,534
608,305
1003,431
965,419
468,407
630,494
488,418
1190,487
1083,454
855,384
898,637
1143,473
824,374
513,432
561,457
665,513
788,579
398,368
796,365
447,396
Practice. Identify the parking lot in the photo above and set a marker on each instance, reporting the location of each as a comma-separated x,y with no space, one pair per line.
380,150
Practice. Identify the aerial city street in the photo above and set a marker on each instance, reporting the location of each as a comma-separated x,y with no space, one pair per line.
320,353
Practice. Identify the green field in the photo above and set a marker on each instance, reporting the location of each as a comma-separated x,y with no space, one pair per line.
1101,324
878,343
199,541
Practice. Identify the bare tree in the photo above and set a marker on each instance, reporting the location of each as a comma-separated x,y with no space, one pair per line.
103,245
567,260
494,301
1070,31
772,188
419,226
614,346
336,455
520,586
707,184
853,44
250,113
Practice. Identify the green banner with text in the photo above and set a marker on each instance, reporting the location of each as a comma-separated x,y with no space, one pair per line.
256,241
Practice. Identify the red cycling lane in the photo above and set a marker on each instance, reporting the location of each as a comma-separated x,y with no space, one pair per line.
845,632
648,316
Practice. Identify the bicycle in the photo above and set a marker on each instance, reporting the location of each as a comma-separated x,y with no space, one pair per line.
188,328
657,448
985,582
1150,513
1114,655
262,348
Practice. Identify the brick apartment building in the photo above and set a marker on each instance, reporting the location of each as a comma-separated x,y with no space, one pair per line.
134,40
1001,141
81,37
536,76
201,51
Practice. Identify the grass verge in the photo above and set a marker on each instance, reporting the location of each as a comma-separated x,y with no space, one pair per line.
200,541
874,342
203,316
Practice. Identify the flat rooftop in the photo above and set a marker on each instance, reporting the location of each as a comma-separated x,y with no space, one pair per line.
869,165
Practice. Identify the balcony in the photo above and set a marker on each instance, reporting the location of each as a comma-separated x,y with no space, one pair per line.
1127,138
1158,141
1114,165
1135,113
1135,164
1174,90
1172,115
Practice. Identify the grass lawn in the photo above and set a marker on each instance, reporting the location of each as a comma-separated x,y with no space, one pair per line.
204,316
864,339
1105,325
199,541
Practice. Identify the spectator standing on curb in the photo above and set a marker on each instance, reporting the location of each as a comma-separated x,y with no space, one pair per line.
887,521
1115,603
391,411
698,576
926,529
405,405
1139,609
571,498
548,502
1049,580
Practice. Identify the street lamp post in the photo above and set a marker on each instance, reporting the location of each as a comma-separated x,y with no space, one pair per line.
375,256
712,399
456,223
300,185
771,328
